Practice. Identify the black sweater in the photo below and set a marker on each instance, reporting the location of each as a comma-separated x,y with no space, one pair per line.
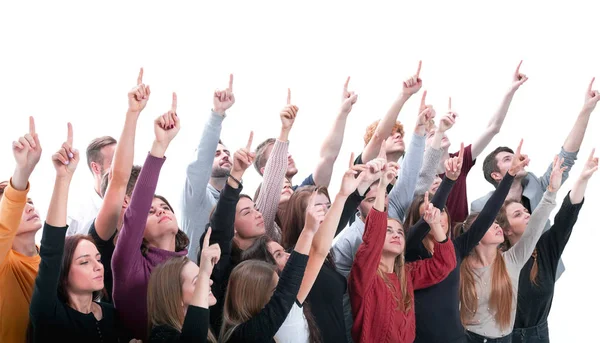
194,330
436,308
263,326
534,301
54,320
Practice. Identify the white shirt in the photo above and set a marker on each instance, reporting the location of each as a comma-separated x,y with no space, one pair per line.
82,216
295,327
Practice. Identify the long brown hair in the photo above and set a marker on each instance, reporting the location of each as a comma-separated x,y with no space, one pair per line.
414,214
248,291
166,296
403,304
181,239
504,223
295,214
259,250
71,244
501,296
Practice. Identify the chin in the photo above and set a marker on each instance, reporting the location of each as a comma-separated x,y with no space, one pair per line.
291,172
212,300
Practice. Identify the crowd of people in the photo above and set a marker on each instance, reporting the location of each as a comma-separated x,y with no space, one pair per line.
394,256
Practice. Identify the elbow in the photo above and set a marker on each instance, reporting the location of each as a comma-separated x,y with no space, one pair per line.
494,129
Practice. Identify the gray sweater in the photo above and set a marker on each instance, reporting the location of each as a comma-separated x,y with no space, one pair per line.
483,322
199,197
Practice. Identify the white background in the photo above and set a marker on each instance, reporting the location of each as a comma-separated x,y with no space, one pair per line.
76,61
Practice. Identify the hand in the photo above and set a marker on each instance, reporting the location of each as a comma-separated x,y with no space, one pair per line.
432,214
65,160
223,100
167,126
350,181
243,158
518,79
389,174
426,112
591,97
413,84
315,215
374,170
454,164
448,119
138,96
288,113
210,255
27,149
556,175
590,167
348,98
519,161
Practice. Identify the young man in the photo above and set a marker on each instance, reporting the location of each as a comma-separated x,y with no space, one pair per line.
207,174
527,187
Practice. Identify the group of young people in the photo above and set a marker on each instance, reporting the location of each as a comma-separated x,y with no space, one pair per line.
394,256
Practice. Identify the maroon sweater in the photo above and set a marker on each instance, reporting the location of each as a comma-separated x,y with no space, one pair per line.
457,203
376,317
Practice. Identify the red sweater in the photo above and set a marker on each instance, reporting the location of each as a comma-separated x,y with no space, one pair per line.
376,318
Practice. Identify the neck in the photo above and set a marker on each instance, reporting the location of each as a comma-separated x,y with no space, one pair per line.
81,302
164,243
516,190
243,243
395,156
387,262
24,244
485,255
97,184
513,238
218,182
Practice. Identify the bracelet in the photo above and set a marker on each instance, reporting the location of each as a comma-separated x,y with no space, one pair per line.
239,182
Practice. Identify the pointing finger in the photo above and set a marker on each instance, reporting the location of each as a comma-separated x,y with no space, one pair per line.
249,145
230,82
140,76
31,126
69,134
174,103
419,70
289,97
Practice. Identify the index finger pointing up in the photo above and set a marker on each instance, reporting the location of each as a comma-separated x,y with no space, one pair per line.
230,82
140,76
351,160
70,134
31,126
249,145
426,200
518,152
174,103
461,152
518,68
591,84
419,70
206,242
289,98
449,103
423,99
346,84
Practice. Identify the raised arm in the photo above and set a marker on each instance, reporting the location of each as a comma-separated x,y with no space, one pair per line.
127,250
385,126
108,216
495,124
575,137
270,193
27,152
44,300
330,148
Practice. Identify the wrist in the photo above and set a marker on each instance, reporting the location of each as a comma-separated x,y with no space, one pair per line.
284,134
219,111
158,149
133,113
403,96
63,179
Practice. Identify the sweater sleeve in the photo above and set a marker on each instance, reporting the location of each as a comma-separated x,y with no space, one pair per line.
520,252
350,206
428,272
264,326
403,192
270,192
195,325
468,240
419,231
569,161
44,302
368,256
127,250
11,209
431,160
198,174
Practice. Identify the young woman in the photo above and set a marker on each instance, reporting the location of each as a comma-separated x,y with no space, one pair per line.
381,284
71,274
150,234
178,312
19,255
252,312
489,277
536,283
436,308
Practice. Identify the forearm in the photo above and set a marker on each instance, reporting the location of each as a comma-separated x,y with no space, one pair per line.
496,121
304,242
402,194
202,290
57,211
578,191
330,149
284,134
270,192
384,128
20,178
158,149
12,204
431,161
123,158
575,137
198,172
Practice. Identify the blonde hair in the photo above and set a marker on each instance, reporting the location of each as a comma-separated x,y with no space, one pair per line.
248,291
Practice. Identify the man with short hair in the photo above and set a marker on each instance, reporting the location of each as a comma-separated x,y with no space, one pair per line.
99,154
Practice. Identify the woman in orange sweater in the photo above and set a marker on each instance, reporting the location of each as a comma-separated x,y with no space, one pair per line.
381,285
19,256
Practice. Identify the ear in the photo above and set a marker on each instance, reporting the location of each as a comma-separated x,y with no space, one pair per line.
497,176
262,171
96,170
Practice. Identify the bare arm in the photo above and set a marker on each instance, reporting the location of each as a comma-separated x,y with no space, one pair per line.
575,137
578,190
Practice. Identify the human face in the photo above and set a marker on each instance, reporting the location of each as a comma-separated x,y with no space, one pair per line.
518,217
367,204
395,143
504,161
322,200
108,152
394,238
87,272
291,168
443,219
493,236
249,222
221,162
189,277
280,255
286,192
161,222
445,143
30,219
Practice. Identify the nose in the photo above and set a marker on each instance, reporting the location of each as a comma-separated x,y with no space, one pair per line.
98,266
160,212
29,208
258,214
225,158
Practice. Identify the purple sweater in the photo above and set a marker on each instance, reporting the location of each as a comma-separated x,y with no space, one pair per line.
131,269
